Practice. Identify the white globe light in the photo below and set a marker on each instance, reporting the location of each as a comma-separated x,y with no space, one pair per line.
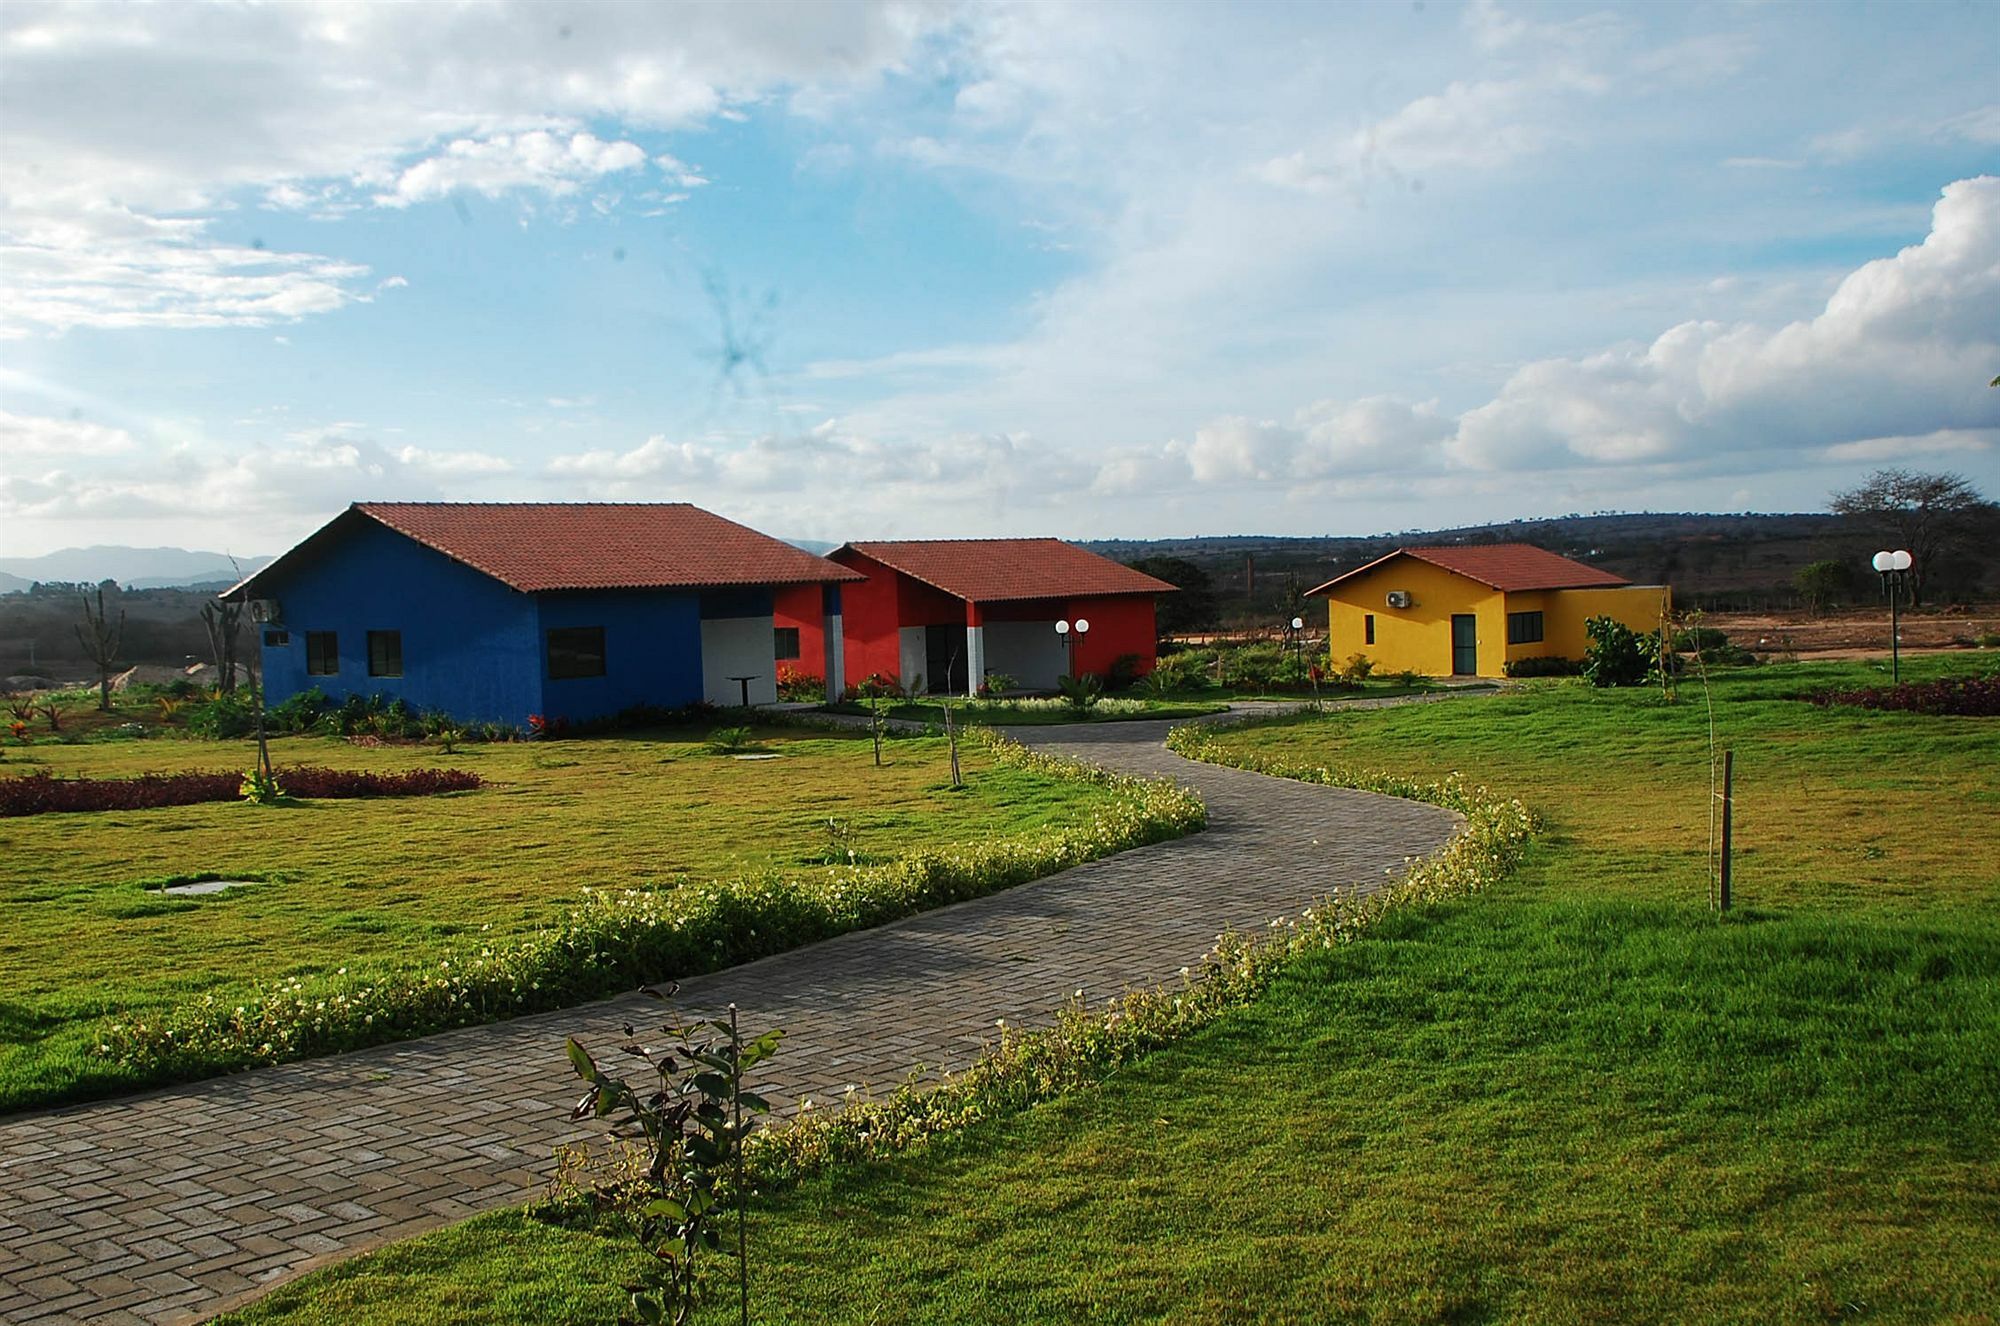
1062,628
1883,561
1298,623
1081,626
1900,560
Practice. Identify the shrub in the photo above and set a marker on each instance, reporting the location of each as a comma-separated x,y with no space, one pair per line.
1252,666
1354,671
1081,693
796,687
222,717
38,793
1618,655
1123,673
1959,697
729,740
613,941
1180,672
1544,667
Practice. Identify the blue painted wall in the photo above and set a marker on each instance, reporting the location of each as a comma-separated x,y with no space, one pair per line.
471,646
652,651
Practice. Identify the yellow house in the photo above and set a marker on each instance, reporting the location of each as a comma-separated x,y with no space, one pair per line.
1469,611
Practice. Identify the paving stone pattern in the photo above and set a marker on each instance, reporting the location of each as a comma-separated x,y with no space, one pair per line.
175,1204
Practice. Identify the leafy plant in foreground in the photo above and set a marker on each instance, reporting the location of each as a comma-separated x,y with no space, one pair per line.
729,740
261,788
1618,655
1081,694
692,1123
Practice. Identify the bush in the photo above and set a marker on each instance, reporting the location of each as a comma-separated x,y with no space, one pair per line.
1619,655
1544,667
614,941
1959,697
39,793
1181,672
1252,666
796,687
223,717
298,713
1122,674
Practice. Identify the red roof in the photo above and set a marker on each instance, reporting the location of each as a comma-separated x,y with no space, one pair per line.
995,570
1504,566
536,546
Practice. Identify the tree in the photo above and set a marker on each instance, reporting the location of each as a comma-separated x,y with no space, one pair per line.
1927,514
224,621
99,639
1193,609
1824,583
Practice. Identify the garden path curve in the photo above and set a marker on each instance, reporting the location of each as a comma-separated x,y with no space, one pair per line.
175,1204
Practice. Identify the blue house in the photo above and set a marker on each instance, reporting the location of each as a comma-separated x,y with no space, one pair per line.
490,612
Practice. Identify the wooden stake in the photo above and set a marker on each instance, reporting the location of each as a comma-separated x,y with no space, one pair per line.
1728,811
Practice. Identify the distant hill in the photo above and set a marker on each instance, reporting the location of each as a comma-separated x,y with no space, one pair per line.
134,568
1712,561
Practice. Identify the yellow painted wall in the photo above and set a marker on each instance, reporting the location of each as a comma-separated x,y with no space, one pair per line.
1564,612
1417,638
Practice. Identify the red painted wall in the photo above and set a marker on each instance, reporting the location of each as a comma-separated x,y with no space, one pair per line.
876,609
802,606
1122,624
868,618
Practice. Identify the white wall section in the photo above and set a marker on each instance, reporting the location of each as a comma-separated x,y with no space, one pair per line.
738,647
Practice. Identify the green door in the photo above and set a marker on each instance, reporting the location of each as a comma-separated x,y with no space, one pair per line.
1464,645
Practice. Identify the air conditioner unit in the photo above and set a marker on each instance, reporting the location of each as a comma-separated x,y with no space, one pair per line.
1399,598
264,611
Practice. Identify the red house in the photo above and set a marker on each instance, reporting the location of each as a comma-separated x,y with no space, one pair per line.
948,613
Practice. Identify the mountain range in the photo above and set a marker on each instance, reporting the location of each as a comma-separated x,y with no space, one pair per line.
134,568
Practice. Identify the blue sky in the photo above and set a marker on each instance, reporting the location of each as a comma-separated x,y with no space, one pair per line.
866,270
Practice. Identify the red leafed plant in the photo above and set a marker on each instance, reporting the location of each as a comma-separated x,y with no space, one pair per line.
39,793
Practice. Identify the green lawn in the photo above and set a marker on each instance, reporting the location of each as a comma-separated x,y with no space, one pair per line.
1580,1097
378,884
1038,712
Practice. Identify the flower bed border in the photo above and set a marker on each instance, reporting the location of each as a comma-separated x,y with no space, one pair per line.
618,940
1084,1045
41,793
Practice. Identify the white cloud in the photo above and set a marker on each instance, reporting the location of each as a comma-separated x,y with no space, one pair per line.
31,437
1904,345
453,464
107,266
493,166
173,110
307,473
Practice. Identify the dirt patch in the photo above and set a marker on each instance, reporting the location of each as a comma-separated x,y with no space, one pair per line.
1857,634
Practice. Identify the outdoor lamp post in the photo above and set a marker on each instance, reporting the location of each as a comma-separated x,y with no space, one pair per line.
1299,640
1069,634
1893,566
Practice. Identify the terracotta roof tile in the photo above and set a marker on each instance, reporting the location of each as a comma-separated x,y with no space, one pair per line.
995,570
537,546
1504,566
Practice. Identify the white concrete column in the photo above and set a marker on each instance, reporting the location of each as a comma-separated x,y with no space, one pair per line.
835,637
975,659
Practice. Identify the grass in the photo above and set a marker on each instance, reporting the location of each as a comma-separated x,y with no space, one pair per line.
380,884
1121,708
1582,1097
1037,712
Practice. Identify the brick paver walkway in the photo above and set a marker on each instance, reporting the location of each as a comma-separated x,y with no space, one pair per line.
172,1205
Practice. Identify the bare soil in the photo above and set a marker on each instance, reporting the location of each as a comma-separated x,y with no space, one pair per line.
1859,633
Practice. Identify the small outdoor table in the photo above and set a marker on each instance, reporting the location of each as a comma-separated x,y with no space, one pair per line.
744,682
